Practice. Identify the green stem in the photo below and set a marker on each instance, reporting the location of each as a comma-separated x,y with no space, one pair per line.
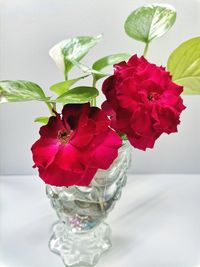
93,101
49,107
54,106
146,49
66,76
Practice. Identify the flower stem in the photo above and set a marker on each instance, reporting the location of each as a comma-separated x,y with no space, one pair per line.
50,108
54,106
93,101
66,76
146,49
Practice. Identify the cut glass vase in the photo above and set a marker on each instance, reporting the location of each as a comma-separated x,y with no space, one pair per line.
81,236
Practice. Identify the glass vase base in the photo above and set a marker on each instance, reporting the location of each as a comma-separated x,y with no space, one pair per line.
80,249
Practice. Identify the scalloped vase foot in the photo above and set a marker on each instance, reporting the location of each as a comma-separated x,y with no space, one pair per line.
81,236
77,249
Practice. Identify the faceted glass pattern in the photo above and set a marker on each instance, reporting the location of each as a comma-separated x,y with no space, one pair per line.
81,236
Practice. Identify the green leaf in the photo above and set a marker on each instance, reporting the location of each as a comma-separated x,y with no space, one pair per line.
62,87
108,61
87,69
14,91
43,120
184,65
72,49
81,94
96,74
150,22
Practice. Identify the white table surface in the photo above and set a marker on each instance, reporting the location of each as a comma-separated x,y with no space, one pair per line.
156,223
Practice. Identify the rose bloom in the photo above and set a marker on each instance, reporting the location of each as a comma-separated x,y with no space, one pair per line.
72,147
142,101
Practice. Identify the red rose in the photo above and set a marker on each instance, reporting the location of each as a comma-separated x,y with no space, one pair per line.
73,146
142,101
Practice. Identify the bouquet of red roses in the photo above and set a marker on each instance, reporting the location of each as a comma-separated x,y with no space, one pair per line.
142,100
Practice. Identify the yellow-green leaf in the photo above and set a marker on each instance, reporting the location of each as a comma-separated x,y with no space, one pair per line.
184,65
43,120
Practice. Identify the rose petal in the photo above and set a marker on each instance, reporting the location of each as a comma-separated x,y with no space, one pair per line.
52,128
87,177
73,113
142,123
101,120
44,151
53,175
105,150
142,142
69,158
83,135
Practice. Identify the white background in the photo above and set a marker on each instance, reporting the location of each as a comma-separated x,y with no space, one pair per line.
28,30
